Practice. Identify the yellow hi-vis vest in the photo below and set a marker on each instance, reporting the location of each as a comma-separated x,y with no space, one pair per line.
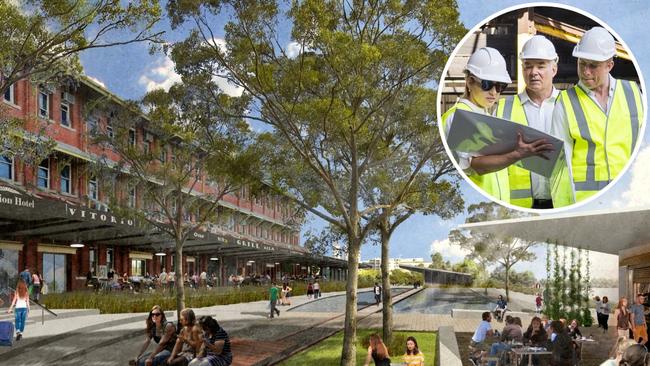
602,143
496,183
521,187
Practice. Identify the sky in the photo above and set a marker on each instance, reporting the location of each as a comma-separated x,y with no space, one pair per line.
130,71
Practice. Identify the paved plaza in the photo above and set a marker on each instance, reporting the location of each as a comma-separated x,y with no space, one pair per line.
84,337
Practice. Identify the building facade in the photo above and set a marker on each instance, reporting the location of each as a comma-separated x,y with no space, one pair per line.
45,207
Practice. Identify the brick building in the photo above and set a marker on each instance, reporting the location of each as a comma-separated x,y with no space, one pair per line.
45,209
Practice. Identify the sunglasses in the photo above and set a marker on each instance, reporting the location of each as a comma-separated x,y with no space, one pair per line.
487,85
155,314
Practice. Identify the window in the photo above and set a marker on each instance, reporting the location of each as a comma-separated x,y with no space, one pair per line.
137,267
6,168
92,125
109,131
65,114
163,154
132,138
43,104
109,258
93,192
10,94
92,260
66,181
43,180
132,197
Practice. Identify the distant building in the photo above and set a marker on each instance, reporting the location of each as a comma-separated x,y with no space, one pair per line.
394,263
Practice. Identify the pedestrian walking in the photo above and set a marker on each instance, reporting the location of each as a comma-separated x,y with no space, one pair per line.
273,299
310,290
599,315
623,318
20,307
316,290
377,291
605,310
538,303
640,328
37,280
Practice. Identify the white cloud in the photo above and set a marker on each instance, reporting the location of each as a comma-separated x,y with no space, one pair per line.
97,81
453,253
161,75
637,192
293,49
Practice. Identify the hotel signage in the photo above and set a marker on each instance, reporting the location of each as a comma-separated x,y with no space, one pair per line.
12,197
79,212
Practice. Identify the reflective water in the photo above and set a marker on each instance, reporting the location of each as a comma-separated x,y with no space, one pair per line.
337,303
441,301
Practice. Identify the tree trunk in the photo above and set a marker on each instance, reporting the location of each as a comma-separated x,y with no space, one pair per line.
180,286
507,270
348,354
387,310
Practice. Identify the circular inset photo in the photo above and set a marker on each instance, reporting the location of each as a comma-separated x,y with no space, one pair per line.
541,107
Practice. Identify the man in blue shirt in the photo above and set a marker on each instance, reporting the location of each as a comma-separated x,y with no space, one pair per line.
501,308
26,276
638,316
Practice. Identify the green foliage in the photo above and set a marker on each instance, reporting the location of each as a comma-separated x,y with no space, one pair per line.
368,277
42,39
116,302
327,352
490,249
403,277
569,294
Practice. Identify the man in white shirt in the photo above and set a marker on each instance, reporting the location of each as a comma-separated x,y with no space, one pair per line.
599,121
534,108
483,331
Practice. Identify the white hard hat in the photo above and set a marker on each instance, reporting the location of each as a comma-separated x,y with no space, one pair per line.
488,64
596,45
539,48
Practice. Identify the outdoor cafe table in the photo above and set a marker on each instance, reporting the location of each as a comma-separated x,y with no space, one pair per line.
530,351
582,341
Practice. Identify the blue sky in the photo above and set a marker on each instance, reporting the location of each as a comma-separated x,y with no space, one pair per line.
130,70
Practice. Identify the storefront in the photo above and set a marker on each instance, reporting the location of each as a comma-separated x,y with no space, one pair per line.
66,243
624,233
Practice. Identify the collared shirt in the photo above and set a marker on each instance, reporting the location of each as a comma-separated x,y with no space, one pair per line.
464,159
540,118
560,125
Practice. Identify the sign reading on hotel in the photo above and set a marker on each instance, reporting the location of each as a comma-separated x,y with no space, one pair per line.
15,198
79,212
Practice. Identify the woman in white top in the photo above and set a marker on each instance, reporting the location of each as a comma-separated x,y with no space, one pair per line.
20,303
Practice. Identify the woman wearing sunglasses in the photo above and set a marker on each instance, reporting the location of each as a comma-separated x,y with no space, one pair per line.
163,333
486,77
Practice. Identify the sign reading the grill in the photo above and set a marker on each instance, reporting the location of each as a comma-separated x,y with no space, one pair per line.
16,201
252,244
97,216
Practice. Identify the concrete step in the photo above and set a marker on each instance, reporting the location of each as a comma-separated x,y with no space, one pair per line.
36,314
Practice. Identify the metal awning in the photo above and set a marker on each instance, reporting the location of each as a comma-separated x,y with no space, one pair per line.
24,215
603,231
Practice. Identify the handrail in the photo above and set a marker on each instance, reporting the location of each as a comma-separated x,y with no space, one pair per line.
43,307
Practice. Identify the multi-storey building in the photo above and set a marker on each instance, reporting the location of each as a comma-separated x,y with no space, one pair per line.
48,210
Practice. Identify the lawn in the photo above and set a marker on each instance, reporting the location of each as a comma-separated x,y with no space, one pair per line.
328,352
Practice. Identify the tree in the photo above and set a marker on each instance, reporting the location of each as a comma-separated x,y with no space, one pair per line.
41,42
490,248
437,261
42,39
325,101
433,190
197,159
